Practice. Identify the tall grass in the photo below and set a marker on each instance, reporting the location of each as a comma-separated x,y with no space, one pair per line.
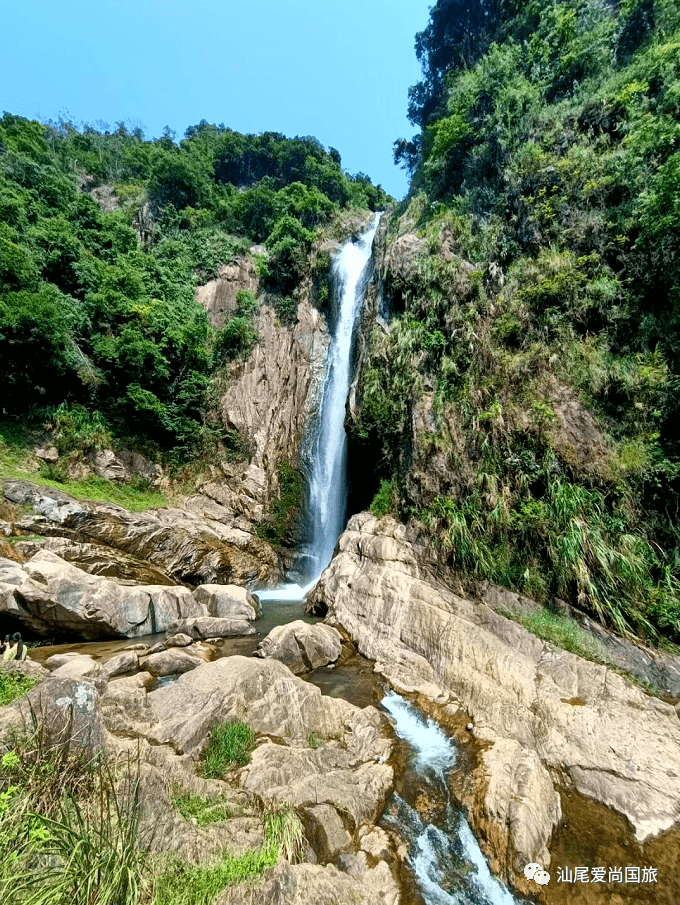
228,744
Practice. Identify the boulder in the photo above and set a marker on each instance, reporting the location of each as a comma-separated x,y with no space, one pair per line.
51,596
202,627
325,831
48,454
270,698
83,667
302,647
228,601
170,662
121,664
177,640
67,712
540,711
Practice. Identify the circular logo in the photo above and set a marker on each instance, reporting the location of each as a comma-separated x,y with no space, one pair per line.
531,869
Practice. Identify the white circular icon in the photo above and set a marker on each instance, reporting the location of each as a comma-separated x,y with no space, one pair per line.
542,877
531,869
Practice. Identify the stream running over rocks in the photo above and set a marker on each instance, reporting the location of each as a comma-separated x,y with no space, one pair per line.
444,856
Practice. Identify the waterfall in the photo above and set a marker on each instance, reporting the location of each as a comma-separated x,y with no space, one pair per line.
446,860
327,490
327,500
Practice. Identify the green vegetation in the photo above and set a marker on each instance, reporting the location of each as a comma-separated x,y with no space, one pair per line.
548,158
12,686
100,333
386,499
314,740
565,633
203,810
228,744
71,833
285,508
190,884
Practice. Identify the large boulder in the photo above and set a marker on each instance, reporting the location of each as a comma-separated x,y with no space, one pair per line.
202,627
541,712
51,596
67,712
301,646
228,601
270,698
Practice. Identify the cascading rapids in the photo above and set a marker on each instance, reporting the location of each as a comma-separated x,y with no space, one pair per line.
447,863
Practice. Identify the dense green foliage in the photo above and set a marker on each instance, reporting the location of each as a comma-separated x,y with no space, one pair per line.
549,157
14,685
100,317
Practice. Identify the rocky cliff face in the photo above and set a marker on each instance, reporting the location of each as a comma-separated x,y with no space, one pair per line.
218,296
546,718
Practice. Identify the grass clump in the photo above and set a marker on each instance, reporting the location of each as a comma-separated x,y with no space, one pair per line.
565,633
14,685
229,744
203,810
314,740
386,500
190,884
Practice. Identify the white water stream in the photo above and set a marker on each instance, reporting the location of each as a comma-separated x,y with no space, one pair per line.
447,862
327,492
328,486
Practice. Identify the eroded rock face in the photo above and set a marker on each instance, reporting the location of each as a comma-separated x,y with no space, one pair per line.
218,296
98,560
52,596
302,647
546,712
181,542
268,401
301,884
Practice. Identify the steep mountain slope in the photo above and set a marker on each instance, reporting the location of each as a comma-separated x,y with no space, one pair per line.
523,402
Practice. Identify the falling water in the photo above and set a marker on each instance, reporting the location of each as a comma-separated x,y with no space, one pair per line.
327,487
327,490
446,860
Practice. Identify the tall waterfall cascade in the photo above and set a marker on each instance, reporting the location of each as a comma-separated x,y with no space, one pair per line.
327,489
328,485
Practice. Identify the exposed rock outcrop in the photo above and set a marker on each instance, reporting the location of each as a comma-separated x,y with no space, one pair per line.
268,401
548,715
180,542
218,296
51,596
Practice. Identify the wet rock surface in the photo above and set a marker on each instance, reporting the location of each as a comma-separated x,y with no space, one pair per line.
543,713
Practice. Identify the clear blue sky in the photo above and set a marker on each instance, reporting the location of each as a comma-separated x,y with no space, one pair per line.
301,67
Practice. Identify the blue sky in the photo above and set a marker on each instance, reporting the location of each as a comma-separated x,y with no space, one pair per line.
340,72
